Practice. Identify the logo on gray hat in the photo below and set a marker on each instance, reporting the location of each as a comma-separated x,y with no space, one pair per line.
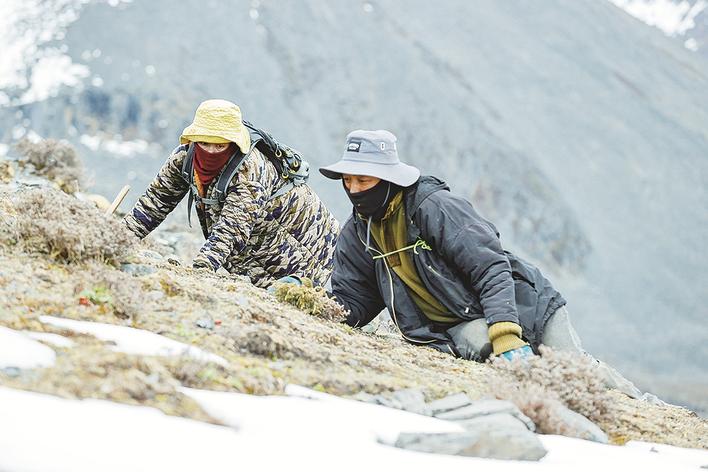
354,145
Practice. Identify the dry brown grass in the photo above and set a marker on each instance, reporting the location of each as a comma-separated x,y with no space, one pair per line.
538,385
7,171
55,160
47,221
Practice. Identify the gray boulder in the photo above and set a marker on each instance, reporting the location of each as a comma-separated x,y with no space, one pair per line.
494,429
206,322
137,270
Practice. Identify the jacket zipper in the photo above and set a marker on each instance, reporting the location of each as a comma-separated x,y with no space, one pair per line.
431,269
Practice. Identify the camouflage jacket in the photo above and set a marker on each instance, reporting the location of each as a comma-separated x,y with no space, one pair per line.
293,234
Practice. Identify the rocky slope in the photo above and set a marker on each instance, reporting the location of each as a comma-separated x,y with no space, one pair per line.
576,128
63,260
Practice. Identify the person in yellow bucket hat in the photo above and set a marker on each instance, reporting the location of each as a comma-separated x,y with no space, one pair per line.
256,222
217,122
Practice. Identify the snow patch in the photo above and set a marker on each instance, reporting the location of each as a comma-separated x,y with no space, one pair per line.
305,408
50,73
691,44
30,70
51,338
322,429
116,146
19,351
42,432
671,17
134,341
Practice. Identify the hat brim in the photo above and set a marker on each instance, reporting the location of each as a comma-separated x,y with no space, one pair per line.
400,174
193,133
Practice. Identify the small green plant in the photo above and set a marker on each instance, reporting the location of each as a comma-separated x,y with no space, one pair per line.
97,296
311,300
208,374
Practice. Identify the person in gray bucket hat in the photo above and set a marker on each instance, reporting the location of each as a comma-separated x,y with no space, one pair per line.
424,253
372,153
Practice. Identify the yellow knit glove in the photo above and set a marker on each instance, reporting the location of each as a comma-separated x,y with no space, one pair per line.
505,336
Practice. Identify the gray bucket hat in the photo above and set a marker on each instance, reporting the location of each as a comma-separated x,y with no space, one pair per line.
372,153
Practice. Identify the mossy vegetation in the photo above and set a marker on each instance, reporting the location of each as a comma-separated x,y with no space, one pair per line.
312,300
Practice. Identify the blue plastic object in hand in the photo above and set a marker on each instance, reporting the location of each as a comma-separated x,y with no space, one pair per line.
288,279
518,353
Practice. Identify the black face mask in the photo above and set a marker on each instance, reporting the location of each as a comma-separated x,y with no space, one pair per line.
373,202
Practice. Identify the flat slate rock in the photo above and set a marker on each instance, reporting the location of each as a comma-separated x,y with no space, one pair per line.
491,443
412,400
449,403
496,421
483,408
576,425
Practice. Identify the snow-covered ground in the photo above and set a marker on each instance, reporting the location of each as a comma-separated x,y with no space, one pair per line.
45,433
305,430
22,352
133,341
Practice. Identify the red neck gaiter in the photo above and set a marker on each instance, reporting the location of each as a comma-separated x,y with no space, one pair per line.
209,164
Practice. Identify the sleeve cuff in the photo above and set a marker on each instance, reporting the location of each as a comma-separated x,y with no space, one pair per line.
505,336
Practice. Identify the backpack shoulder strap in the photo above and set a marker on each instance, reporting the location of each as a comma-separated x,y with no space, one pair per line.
188,163
288,162
230,170
188,176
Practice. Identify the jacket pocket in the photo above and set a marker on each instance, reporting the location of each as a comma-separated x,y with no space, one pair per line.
449,289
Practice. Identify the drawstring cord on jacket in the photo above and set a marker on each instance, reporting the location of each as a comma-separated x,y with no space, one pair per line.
368,236
418,244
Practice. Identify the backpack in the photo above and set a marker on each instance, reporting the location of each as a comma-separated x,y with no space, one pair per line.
287,161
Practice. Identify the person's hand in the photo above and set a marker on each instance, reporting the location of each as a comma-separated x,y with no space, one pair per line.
288,279
522,352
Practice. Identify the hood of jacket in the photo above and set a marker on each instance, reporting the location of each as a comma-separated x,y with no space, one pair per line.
416,194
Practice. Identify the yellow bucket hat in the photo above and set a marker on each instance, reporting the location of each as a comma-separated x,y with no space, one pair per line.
217,121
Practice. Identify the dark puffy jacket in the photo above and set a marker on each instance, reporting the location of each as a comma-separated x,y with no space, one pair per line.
467,271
